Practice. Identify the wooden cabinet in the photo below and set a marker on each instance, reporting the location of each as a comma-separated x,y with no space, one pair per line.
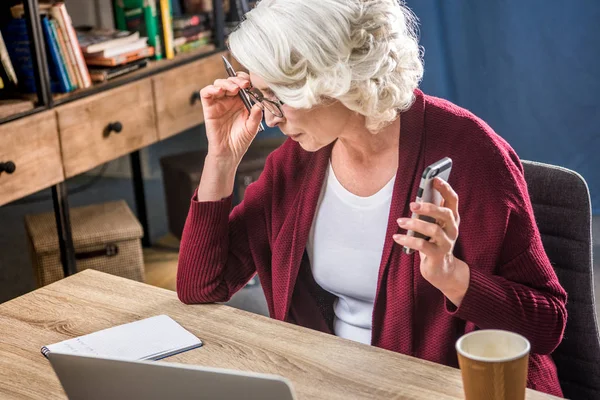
32,145
178,106
50,146
105,126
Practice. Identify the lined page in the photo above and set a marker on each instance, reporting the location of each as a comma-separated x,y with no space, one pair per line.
147,339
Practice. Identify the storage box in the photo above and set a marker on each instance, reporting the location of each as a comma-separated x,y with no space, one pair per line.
106,238
181,176
182,173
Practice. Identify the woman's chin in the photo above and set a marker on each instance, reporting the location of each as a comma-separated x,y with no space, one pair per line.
308,146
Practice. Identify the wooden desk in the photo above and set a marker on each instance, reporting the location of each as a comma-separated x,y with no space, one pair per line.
320,366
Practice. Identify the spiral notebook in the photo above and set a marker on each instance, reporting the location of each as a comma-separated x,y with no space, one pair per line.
148,339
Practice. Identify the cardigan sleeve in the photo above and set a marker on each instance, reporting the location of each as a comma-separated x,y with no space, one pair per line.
534,307
215,260
214,257
523,294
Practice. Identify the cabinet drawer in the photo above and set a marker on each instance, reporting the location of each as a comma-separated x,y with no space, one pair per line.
106,126
176,107
32,145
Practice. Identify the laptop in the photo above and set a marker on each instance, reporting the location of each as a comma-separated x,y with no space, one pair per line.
95,378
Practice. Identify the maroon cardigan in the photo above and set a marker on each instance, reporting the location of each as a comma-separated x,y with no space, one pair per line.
512,286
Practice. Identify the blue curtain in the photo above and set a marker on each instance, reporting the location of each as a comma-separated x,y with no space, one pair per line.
530,69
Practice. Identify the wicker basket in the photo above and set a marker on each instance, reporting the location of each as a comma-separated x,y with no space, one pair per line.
106,238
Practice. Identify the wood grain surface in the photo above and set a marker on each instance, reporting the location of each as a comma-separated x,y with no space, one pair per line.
173,91
320,366
32,144
82,125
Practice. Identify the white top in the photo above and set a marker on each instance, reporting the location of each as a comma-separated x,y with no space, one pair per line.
345,246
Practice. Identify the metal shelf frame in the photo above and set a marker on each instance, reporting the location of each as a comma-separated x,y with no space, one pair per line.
46,102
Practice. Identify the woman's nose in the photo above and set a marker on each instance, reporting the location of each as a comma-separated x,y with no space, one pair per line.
271,120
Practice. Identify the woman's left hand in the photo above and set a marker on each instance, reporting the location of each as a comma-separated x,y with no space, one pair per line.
438,264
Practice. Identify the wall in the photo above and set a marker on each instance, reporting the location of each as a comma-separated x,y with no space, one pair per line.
528,68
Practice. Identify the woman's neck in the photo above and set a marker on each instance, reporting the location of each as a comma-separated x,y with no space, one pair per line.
358,146
363,163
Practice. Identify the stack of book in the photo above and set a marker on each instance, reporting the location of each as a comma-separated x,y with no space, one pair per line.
172,26
140,16
66,64
191,32
79,57
112,53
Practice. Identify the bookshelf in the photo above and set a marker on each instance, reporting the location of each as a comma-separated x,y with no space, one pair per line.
43,99
19,108
153,68
52,137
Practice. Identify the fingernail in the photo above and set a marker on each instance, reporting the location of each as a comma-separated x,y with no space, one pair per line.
398,237
415,206
402,221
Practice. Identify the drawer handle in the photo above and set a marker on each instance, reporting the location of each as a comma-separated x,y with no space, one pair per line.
115,127
9,167
195,97
110,250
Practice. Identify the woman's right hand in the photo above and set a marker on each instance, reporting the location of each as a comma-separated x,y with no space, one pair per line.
230,128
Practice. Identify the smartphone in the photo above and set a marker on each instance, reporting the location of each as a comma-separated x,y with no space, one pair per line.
427,194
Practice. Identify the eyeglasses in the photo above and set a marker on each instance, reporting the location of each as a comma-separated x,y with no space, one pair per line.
254,95
273,106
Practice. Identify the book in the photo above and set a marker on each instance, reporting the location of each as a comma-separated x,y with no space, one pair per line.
108,73
184,48
185,21
72,59
60,14
58,70
167,27
6,63
147,339
122,58
64,50
140,16
200,35
189,31
94,40
203,38
16,40
123,49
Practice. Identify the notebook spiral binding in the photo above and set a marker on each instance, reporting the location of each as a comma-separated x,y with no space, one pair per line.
45,351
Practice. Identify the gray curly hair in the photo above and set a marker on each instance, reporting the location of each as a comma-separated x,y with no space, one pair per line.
363,53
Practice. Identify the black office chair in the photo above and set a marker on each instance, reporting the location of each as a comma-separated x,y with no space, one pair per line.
561,203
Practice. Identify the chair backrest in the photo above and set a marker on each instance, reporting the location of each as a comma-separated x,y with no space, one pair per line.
562,207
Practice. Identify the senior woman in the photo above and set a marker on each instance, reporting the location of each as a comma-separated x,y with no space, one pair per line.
325,224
